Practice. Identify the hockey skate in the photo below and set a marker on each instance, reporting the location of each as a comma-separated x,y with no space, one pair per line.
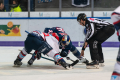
17,62
30,62
101,63
93,65
83,60
65,65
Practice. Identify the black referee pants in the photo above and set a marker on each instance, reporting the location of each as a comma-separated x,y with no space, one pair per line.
96,41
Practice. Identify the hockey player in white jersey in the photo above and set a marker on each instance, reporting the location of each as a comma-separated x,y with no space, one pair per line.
98,31
41,43
116,21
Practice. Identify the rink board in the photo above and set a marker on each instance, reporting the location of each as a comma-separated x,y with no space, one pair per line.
71,27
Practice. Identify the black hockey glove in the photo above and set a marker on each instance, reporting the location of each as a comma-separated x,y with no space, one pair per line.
64,53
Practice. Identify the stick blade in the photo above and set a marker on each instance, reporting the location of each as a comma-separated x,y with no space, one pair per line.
75,62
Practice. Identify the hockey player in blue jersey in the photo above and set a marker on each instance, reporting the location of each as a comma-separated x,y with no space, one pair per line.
41,43
65,43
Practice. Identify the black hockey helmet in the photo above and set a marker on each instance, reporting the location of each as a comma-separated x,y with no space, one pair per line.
81,16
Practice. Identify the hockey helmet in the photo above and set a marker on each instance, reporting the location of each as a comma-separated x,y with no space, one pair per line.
65,40
47,30
81,16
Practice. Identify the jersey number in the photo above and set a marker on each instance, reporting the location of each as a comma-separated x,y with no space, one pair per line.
60,29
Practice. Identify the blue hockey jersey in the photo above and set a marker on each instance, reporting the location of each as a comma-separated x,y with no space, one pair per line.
57,32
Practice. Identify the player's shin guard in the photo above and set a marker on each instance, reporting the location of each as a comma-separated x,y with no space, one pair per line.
61,61
75,52
21,55
33,58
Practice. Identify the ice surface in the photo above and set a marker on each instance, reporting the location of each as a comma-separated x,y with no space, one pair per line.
46,70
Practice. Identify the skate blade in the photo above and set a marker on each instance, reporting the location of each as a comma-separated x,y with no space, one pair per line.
16,65
101,64
92,67
80,63
28,65
69,68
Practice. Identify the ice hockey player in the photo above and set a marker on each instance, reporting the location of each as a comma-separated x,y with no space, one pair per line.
116,21
65,43
98,31
41,43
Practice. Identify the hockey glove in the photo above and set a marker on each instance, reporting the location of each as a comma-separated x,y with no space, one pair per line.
64,53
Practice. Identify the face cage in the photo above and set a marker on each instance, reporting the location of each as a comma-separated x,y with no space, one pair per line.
63,45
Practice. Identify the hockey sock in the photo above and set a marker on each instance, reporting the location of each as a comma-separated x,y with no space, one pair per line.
57,57
34,55
21,56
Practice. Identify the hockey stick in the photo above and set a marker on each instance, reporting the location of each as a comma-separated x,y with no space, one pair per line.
42,57
74,63
68,58
26,31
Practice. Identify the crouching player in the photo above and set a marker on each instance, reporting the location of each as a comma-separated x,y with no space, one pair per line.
41,43
65,43
116,21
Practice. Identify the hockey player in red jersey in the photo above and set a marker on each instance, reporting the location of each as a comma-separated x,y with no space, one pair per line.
41,43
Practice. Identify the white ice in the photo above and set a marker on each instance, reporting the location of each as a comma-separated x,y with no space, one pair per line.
46,70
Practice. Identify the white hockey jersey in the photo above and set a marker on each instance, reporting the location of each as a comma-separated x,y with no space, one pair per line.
52,41
116,16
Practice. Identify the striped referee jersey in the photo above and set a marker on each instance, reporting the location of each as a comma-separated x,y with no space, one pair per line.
93,25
